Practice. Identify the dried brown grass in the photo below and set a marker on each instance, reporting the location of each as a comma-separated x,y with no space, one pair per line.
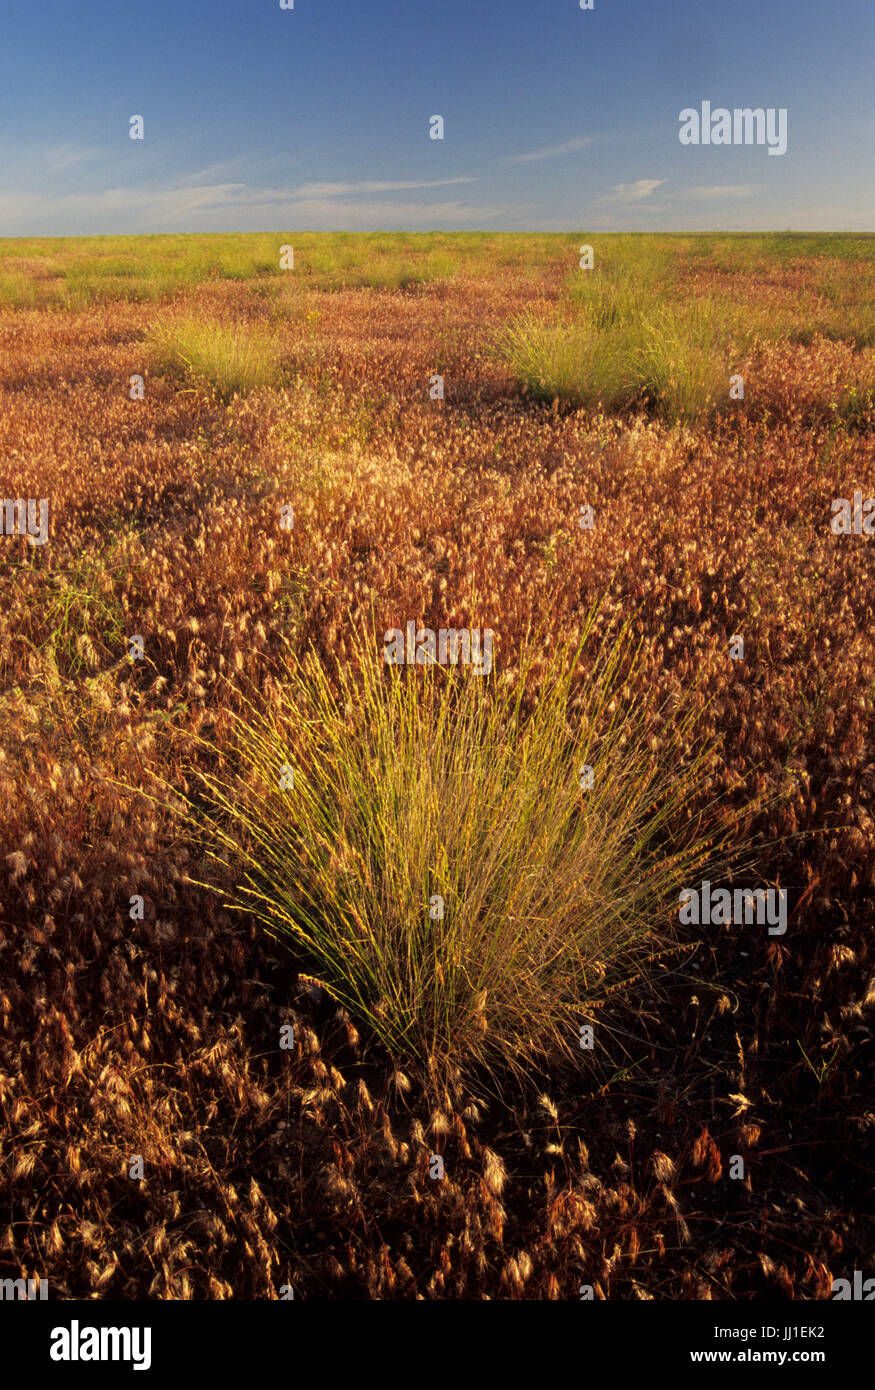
160,1037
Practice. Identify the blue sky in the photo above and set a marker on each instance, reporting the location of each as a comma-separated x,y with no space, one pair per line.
556,118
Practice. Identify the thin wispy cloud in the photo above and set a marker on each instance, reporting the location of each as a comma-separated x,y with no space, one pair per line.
207,206
62,157
19,159
707,191
210,207
580,142
631,192
339,190
213,172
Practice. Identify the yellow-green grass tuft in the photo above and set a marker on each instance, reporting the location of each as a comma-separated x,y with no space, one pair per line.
232,358
423,783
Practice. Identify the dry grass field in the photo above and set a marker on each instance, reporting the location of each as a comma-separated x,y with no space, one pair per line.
716,1140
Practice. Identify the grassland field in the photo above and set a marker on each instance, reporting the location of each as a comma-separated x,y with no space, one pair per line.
629,475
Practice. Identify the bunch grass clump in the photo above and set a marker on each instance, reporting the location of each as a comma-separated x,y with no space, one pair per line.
423,787
577,362
683,358
626,349
635,332
232,358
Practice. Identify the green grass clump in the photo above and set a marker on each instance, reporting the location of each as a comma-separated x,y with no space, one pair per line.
631,338
422,781
674,358
232,358
634,339
575,362
683,359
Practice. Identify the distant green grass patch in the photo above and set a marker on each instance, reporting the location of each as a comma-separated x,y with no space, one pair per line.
86,270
